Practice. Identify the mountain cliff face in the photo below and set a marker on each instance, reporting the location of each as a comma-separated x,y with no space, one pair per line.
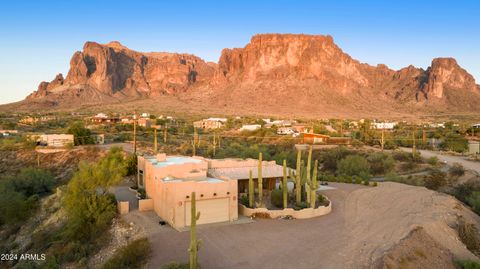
306,69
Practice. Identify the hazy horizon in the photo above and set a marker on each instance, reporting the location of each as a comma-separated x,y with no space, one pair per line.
38,38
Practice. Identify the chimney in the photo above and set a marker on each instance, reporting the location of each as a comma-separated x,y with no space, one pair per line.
161,157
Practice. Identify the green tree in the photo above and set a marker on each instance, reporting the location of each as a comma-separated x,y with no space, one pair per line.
81,135
30,181
88,205
353,165
454,142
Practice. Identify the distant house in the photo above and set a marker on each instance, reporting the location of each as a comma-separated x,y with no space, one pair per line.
53,140
145,122
286,131
473,147
102,118
384,125
312,138
280,123
476,126
8,132
250,127
210,123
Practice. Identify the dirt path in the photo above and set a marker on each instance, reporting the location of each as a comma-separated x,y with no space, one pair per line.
474,166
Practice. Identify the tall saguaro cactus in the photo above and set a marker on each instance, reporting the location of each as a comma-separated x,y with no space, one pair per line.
284,185
309,170
313,187
260,179
298,184
194,243
251,190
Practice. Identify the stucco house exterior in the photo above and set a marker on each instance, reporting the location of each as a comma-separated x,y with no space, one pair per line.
169,182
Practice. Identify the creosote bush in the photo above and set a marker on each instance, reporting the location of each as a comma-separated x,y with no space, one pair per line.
133,255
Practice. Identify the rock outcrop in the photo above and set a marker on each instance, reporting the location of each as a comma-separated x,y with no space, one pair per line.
309,70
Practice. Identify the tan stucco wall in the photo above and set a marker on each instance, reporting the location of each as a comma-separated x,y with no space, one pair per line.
145,204
122,207
305,213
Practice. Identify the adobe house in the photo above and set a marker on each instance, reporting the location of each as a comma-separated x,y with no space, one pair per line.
169,182
311,138
239,169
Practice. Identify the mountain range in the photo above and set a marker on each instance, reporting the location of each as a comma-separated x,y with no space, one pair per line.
275,74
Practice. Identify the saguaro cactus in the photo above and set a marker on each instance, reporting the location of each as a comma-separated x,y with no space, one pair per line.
260,179
298,185
251,191
284,185
194,243
313,187
309,170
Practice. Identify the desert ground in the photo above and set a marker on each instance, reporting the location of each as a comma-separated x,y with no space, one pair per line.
369,226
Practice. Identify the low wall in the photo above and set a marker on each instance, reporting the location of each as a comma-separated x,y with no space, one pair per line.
305,213
145,204
123,207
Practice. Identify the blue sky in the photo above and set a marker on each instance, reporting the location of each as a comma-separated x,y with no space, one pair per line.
38,38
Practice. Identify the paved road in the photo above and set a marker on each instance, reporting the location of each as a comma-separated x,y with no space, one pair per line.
275,244
474,166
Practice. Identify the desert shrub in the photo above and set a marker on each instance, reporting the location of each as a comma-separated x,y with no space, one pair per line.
30,181
244,200
392,176
468,234
468,264
473,199
375,184
464,190
456,170
175,265
330,158
433,161
401,156
408,165
300,206
435,180
366,182
380,163
276,197
14,206
358,180
353,165
133,255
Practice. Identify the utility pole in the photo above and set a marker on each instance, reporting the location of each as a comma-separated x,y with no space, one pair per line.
155,148
214,143
414,147
165,133
382,142
135,132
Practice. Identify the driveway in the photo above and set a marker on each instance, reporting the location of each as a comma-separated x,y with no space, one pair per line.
265,243
123,193
470,165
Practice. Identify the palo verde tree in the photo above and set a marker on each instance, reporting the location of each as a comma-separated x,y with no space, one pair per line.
87,203
81,135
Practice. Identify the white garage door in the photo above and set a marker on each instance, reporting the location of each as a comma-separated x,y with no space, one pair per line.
212,210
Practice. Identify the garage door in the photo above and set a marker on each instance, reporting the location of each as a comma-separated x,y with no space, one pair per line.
213,210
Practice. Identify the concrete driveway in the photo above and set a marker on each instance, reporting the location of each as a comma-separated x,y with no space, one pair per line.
470,165
310,243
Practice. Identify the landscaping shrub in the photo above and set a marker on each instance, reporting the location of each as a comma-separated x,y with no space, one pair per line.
380,163
456,170
174,265
375,184
244,200
401,156
133,255
358,180
142,193
468,264
473,199
435,180
300,206
131,163
276,197
353,165
322,200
